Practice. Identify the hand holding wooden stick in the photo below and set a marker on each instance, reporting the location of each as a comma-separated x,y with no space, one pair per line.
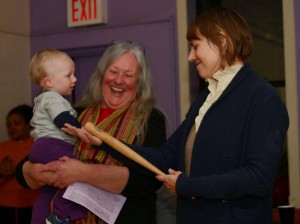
121,148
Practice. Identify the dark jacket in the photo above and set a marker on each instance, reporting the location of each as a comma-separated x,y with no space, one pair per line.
235,155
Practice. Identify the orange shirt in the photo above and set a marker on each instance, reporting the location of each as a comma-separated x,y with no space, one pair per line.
12,194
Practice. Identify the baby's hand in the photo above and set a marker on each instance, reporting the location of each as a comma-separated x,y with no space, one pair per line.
82,134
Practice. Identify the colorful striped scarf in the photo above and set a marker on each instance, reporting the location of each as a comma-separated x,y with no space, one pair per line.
119,124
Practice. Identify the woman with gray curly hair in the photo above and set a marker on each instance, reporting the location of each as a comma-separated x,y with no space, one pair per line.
119,100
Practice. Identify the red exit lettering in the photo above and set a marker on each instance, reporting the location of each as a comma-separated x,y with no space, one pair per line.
83,10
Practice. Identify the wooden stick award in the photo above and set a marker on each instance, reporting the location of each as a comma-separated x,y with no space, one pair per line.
121,148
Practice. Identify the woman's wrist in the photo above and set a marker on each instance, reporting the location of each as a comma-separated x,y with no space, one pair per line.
32,175
108,177
19,173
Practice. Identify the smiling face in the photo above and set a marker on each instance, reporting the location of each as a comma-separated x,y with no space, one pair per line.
206,57
119,84
60,75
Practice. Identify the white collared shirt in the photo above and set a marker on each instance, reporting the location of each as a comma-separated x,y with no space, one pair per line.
216,86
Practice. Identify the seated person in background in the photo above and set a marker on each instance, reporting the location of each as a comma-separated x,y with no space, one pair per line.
54,71
15,201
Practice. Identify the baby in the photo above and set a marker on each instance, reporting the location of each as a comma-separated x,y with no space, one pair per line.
53,70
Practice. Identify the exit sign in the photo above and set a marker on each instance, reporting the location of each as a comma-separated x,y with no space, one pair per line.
86,12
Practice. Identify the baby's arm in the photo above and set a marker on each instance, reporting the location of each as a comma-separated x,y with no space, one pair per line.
82,134
66,117
69,124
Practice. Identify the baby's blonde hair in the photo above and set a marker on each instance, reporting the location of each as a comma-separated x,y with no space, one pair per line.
37,69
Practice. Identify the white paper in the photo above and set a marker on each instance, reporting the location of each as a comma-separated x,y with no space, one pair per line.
104,204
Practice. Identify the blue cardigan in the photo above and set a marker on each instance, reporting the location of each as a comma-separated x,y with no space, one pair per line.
235,155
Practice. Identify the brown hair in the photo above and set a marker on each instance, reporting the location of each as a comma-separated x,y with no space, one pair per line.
218,23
